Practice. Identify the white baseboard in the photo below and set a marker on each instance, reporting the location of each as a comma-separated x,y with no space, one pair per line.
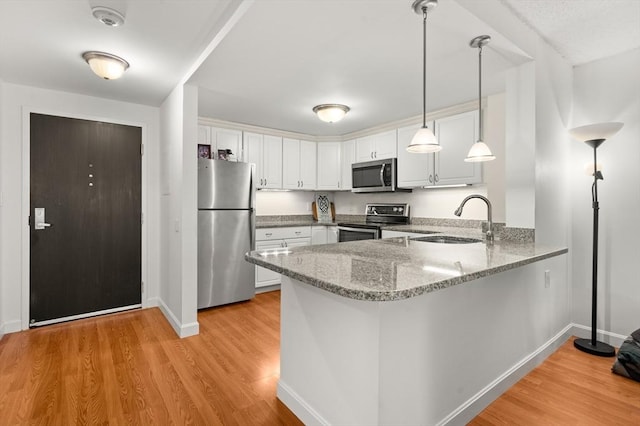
583,331
267,288
303,411
472,407
151,302
10,327
182,330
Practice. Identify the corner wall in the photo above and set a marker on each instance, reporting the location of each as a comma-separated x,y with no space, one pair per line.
16,100
178,284
607,90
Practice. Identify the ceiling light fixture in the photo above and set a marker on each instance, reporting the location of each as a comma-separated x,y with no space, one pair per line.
424,141
108,16
331,113
479,151
106,65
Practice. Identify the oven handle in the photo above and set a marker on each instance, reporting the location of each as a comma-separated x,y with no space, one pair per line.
382,175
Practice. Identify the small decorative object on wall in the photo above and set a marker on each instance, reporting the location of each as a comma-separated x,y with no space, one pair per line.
222,154
323,208
204,151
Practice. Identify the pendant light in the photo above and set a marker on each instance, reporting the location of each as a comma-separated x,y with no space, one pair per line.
479,151
424,141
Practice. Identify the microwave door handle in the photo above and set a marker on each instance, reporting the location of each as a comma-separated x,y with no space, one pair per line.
382,175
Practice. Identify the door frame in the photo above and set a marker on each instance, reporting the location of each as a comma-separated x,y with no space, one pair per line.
26,189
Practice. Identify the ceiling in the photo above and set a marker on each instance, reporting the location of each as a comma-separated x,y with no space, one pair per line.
282,57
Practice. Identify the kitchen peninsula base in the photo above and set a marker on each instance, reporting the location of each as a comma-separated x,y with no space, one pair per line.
437,358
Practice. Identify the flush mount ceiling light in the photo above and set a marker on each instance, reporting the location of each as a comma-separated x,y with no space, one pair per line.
331,113
108,16
424,141
479,151
106,65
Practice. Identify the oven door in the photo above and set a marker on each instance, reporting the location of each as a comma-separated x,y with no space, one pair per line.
346,233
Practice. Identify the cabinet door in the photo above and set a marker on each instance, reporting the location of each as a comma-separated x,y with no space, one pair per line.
308,165
227,139
414,170
329,166
385,145
291,163
332,234
348,158
364,149
264,276
318,235
272,161
456,134
204,135
253,154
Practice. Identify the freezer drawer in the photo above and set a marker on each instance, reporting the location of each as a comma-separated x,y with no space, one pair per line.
224,236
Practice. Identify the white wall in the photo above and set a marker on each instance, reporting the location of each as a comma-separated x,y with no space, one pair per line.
178,286
17,100
607,90
2,297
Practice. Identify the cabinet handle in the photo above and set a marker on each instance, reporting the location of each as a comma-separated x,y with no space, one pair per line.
301,184
437,178
338,184
371,154
375,154
430,178
265,181
285,244
268,234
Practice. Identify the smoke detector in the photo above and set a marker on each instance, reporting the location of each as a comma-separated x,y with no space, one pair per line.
109,17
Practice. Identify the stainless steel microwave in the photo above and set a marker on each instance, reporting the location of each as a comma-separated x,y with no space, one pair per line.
375,176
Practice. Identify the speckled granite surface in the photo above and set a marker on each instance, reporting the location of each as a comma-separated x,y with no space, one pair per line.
286,221
398,268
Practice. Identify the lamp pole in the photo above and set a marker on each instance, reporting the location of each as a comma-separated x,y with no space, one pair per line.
592,346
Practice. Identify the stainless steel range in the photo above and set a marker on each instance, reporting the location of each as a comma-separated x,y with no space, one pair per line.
376,216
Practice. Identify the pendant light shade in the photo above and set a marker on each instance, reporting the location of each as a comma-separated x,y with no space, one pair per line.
479,151
424,141
106,65
331,113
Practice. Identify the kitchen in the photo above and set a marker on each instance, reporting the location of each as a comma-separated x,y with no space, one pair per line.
544,183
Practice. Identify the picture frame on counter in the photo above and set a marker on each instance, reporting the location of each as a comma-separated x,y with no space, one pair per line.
204,151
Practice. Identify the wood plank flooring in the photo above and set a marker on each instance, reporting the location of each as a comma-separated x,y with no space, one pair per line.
131,369
569,388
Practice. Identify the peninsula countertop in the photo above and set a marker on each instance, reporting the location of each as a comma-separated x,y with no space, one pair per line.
397,268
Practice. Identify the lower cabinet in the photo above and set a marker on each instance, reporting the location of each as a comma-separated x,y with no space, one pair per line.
275,238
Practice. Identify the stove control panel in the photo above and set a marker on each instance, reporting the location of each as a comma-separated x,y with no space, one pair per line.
383,209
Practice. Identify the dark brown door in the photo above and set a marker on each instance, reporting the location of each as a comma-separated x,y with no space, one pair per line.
86,175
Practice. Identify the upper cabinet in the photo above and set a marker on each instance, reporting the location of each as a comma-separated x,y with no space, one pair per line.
455,134
348,158
266,153
329,166
376,147
299,164
221,139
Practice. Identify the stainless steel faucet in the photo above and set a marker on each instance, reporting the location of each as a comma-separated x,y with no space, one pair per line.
458,212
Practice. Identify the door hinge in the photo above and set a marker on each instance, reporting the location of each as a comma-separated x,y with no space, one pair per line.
141,149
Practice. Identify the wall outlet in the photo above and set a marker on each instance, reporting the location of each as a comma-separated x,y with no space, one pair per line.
547,278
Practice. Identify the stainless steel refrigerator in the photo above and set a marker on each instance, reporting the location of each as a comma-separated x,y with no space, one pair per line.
226,231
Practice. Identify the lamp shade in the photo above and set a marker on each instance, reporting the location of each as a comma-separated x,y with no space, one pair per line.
331,113
599,131
106,65
479,152
424,141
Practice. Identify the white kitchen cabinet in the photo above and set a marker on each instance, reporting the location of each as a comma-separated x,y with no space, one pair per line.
204,135
299,162
414,169
278,239
455,134
332,234
324,234
348,157
226,139
266,153
376,147
329,166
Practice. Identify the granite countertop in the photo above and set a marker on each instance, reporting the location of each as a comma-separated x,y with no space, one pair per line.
288,221
399,268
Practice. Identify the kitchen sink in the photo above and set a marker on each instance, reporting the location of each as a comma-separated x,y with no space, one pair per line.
446,239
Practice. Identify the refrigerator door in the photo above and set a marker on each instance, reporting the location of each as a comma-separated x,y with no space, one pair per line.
224,236
225,184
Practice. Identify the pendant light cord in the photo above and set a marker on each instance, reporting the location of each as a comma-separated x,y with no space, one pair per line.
424,67
481,127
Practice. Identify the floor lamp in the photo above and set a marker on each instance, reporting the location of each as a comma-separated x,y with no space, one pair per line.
593,135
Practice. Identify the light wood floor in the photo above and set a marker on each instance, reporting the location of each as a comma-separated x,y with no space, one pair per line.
130,368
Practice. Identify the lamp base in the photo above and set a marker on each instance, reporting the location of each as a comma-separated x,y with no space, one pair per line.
600,349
